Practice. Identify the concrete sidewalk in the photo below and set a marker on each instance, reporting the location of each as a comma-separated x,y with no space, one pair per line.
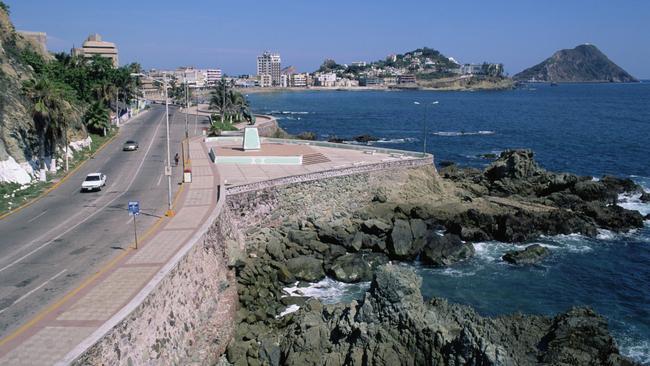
64,330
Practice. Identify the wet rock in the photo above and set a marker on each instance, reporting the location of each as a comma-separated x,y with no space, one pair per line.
356,267
446,250
645,197
612,217
580,337
513,164
306,268
365,138
400,242
375,227
302,237
532,254
590,190
620,185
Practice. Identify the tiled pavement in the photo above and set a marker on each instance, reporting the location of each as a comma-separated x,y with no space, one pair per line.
63,327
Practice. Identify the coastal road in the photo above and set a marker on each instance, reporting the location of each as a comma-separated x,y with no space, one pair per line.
48,248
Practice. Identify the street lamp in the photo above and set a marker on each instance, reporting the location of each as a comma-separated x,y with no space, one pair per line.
187,106
424,126
168,166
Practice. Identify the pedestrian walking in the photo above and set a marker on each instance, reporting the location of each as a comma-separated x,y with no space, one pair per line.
176,159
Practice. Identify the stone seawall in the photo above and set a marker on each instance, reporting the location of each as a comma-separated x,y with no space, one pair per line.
409,163
189,317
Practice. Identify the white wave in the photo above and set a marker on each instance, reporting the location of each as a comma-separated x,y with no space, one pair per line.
292,112
639,351
633,202
463,133
327,290
395,141
604,234
455,272
290,309
492,251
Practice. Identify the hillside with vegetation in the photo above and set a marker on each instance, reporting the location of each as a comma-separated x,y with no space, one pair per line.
48,102
430,67
584,63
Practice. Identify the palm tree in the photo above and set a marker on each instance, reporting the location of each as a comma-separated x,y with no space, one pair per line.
46,99
97,118
219,98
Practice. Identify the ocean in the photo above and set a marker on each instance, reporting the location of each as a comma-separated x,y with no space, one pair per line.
588,129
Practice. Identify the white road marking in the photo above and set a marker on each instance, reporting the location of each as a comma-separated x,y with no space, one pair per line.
37,216
58,227
159,180
34,290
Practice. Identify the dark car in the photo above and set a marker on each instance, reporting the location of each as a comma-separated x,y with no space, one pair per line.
130,146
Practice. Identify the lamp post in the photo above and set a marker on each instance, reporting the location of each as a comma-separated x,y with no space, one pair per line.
424,126
168,166
187,106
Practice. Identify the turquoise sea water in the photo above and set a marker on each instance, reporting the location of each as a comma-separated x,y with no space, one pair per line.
584,129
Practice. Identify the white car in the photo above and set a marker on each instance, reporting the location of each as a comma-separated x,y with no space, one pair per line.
93,182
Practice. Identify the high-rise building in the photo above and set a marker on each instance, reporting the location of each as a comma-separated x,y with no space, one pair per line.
269,64
95,46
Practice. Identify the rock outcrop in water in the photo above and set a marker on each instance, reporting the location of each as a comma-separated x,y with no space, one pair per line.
294,236
393,325
585,63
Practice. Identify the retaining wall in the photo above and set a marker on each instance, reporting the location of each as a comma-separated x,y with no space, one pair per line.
188,317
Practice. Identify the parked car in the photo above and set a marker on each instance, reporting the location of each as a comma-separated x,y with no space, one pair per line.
130,145
93,182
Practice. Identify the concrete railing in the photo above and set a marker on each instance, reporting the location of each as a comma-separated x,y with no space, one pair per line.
367,148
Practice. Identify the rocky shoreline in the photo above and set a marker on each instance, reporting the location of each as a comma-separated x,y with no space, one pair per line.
356,228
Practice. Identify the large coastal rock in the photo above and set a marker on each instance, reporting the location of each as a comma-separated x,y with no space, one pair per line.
585,63
393,325
530,255
445,250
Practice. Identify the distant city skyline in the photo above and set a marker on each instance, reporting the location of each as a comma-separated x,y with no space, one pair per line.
164,35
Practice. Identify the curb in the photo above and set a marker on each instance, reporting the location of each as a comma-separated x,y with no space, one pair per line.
63,179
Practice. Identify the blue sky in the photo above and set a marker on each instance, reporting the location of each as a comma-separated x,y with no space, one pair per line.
216,33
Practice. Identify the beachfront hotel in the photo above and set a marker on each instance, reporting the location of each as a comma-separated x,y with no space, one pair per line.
94,45
268,69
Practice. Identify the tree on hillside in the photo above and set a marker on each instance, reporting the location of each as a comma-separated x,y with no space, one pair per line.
97,118
50,112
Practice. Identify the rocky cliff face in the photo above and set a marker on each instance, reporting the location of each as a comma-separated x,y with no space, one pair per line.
585,63
16,124
18,139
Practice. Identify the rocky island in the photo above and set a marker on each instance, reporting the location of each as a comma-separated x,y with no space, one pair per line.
363,227
582,64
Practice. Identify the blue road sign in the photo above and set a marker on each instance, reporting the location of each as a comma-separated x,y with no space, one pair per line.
134,208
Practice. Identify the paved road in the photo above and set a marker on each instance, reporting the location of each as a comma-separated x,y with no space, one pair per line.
49,247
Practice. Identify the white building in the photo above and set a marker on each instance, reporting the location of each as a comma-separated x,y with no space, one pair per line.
358,64
269,64
471,69
299,80
327,80
265,80
284,80
212,76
